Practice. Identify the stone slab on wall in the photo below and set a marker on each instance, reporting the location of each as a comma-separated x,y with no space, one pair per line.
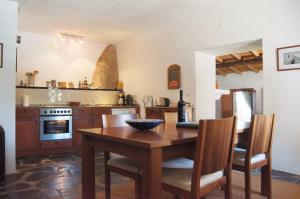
106,72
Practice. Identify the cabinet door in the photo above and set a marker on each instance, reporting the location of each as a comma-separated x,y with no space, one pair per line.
81,122
27,134
153,113
97,116
226,106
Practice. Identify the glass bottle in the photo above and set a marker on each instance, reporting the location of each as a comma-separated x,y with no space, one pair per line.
181,109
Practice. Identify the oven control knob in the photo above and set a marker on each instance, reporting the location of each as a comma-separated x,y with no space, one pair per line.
51,111
45,112
65,111
54,111
69,111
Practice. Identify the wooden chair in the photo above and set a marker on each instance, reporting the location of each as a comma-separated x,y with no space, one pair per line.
212,163
257,154
116,164
127,167
170,117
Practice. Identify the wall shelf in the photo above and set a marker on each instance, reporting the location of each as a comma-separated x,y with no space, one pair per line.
82,89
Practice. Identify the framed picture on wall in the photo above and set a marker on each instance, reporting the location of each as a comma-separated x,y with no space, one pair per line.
1,55
288,58
174,77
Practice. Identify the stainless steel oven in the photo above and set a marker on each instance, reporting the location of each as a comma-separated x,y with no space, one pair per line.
55,123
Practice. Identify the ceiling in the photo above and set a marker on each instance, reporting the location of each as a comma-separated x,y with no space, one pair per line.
113,21
240,62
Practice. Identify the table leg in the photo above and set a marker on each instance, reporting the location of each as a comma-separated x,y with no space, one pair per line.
88,169
151,176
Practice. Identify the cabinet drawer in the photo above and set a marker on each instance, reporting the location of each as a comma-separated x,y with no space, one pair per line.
172,110
82,111
27,112
56,144
153,113
100,111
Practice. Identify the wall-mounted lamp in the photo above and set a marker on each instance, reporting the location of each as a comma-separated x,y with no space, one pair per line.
71,37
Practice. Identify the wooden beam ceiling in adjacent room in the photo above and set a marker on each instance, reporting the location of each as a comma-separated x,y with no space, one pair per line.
240,62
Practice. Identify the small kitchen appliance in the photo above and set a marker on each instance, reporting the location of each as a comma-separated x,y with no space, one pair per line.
163,101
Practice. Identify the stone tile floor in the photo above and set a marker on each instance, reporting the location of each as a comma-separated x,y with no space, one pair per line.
52,177
59,177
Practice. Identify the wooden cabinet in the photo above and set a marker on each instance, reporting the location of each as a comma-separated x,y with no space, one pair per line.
81,122
97,116
27,130
27,112
153,113
158,112
237,101
82,111
56,144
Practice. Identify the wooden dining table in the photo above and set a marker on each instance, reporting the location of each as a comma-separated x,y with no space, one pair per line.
148,148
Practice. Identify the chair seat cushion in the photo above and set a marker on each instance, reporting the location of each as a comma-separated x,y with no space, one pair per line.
179,163
182,177
127,164
239,157
124,163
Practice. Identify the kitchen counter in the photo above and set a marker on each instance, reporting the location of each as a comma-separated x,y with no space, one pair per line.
68,106
162,107
30,124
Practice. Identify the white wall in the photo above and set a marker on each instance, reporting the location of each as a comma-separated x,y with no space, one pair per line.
246,80
8,34
55,59
143,62
205,83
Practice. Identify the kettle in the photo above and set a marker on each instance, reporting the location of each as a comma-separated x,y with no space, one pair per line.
129,100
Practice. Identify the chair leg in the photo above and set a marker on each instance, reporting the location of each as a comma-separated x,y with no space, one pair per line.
228,191
137,187
247,184
107,176
266,180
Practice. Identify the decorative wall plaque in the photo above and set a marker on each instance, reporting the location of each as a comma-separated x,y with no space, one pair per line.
174,77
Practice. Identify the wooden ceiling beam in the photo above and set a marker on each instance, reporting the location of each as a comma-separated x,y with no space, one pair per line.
236,56
252,61
220,60
235,70
255,53
248,66
220,72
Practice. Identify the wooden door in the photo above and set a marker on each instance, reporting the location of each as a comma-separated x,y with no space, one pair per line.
81,122
27,134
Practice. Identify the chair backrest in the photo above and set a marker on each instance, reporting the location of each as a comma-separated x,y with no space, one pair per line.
260,135
214,148
109,121
170,117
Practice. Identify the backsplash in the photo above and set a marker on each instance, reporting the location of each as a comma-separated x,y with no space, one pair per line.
40,96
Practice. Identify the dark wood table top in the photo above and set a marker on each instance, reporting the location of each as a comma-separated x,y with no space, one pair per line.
161,136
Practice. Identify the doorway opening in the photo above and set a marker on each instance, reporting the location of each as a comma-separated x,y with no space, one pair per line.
236,67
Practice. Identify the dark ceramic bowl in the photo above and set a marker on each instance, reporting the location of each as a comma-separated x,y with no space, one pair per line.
144,124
